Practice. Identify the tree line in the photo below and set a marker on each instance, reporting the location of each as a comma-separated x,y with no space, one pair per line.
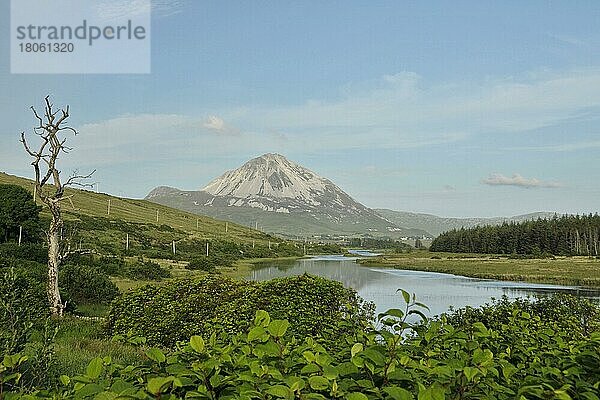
565,235
379,243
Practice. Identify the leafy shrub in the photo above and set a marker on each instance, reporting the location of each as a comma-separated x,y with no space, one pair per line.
27,251
562,312
25,328
166,314
315,306
112,266
23,304
87,285
525,359
146,270
171,312
210,263
166,228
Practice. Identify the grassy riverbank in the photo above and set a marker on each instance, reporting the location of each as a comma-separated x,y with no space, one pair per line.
239,270
582,271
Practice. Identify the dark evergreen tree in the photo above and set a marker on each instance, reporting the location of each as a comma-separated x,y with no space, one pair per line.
17,209
566,235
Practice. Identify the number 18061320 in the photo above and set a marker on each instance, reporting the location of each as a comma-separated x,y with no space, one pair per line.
35,47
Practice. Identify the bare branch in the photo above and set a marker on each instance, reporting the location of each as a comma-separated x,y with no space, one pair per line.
38,117
70,252
73,180
63,128
69,197
27,149
65,115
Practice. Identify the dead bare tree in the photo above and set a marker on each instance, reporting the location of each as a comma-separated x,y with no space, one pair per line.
50,189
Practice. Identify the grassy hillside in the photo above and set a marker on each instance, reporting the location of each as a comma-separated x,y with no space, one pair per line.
143,213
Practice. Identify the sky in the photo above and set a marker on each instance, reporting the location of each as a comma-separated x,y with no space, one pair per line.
459,109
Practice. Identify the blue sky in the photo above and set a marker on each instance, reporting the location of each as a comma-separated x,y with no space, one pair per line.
462,108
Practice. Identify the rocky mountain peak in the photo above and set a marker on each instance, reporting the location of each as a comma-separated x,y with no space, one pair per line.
272,176
282,195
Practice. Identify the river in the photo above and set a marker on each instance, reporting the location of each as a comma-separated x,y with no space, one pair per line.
438,291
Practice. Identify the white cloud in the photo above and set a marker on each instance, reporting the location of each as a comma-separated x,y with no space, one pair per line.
114,10
399,111
565,147
399,108
217,125
166,8
518,181
567,39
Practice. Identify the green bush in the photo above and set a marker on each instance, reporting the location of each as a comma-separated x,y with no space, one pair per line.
145,270
112,266
87,285
172,312
563,312
210,263
315,306
27,251
525,359
23,305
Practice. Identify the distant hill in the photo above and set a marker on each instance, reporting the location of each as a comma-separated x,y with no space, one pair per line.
281,197
437,225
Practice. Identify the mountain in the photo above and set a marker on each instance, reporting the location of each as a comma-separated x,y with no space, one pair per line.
437,225
279,196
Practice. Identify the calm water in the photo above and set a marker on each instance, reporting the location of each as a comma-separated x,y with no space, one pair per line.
438,291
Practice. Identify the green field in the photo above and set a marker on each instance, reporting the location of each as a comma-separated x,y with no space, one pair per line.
582,271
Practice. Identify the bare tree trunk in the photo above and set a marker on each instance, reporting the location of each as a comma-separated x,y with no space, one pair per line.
56,305
49,147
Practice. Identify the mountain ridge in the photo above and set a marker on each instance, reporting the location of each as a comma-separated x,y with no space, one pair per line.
282,197
436,225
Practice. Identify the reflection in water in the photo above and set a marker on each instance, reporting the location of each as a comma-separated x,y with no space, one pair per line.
438,291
